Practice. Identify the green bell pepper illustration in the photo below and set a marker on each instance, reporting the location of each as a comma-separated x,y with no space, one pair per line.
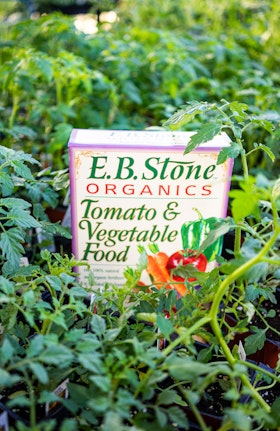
194,234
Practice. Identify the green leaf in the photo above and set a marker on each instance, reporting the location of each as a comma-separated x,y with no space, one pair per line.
217,231
275,411
205,133
44,65
165,325
230,152
55,282
253,292
276,190
7,351
112,421
58,355
179,417
186,369
5,377
22,217
238,110
102,382
237,417
7,184
160,416
7,286
98,325
19,401
169,397
265,124
186,114
245,203
40,372
91,362
19,131
268,151
69,425
79,393
112,334
11,246
36,346
22,169
255,341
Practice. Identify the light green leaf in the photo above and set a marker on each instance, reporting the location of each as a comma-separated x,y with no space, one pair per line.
268,151
186,114
276,190
230,152
205,133
238,110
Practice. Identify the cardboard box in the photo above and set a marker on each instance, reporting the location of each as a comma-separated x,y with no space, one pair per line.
131,188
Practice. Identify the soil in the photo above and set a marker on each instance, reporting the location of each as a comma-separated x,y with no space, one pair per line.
274,322
271,394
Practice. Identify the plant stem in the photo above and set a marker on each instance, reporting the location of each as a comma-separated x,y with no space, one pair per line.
194,409
214,311
201,322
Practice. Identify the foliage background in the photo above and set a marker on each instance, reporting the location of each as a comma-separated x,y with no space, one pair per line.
136,72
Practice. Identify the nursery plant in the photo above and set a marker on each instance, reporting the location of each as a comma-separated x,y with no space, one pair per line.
141,356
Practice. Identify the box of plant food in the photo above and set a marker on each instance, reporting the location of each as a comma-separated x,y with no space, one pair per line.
132,189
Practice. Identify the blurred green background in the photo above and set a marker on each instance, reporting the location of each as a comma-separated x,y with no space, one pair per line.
130,64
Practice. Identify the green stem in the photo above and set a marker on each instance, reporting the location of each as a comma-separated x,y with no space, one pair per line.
214,311
193,329
194,409
14,110
265,371
237,240
169,349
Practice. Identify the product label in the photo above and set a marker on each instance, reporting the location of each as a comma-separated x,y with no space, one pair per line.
130,189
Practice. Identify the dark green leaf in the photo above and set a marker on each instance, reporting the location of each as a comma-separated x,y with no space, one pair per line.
178,416
11,246
169,397
102,382
255,341
22,169
58,355
98,325
165,325
275,411
91,361
161,416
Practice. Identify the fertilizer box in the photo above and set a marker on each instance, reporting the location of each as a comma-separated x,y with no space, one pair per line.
131,188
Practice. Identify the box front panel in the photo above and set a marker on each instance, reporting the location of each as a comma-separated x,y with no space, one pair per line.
123,198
